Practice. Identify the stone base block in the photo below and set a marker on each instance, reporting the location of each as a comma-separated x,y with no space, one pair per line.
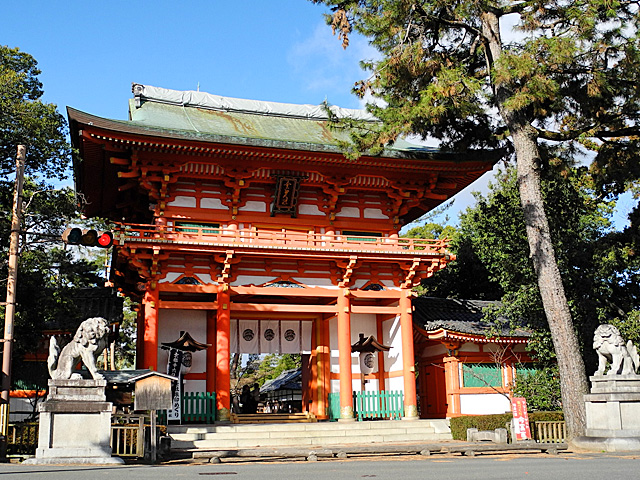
605,444
75,424
74,461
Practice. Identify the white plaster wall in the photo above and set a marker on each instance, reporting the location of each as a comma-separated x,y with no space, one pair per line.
484,404
170,277
213,204
252,280
350,212
170,323
374,213
206,278
182,201
195,386
469,347
335,386
433,350
305,209
315,282
253,206
395,384
392,337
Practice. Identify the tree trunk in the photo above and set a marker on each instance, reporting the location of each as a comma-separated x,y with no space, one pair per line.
573,381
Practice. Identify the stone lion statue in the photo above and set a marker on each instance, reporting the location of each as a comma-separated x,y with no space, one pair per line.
90,340
610,347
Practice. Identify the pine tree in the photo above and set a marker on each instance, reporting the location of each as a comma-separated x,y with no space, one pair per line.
449,71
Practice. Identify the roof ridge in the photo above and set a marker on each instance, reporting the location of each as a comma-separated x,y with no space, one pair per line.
190,98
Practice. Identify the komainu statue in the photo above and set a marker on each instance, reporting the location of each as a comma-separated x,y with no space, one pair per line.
611,348
90,340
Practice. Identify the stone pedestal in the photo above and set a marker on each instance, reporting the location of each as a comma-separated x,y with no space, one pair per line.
75,424
613,414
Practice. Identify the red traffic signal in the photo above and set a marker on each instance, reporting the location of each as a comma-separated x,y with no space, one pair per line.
87,237
105,239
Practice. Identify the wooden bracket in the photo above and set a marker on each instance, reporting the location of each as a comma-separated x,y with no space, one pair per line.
348,268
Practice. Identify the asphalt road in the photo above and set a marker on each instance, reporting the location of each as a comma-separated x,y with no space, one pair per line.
530,467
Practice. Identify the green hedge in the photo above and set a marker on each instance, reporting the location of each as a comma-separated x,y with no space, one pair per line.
459,425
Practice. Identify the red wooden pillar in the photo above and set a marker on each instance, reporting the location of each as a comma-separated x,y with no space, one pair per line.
344,350
140,339
223,344
381,375
211,351
408,359
452,380
150,342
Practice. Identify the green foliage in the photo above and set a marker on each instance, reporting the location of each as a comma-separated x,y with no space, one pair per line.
493,261
48,275
540,387
25,119
273,365
459,425
629,326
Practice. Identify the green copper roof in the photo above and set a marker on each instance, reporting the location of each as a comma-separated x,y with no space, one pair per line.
199,115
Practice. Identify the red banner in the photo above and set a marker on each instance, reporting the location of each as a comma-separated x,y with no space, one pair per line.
521,428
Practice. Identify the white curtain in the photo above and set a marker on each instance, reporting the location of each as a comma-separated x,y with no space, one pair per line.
269,336
290,336
248,336
305,344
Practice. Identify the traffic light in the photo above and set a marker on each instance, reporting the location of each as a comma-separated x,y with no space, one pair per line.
87,237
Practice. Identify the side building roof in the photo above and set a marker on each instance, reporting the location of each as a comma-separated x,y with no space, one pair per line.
438,318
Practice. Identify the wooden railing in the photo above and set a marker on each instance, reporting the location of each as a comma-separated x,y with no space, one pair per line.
127,435
549,432
385,404
288,239
22,438
4,414
199,407
369,405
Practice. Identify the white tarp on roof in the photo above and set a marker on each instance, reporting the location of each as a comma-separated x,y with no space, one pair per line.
216,102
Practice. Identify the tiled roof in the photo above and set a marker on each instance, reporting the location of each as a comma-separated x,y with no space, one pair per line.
461,316
287,380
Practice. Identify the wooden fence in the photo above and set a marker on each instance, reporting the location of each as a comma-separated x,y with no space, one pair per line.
549,432
127,435
198,407
369,405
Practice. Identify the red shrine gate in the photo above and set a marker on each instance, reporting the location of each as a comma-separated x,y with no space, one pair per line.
242,223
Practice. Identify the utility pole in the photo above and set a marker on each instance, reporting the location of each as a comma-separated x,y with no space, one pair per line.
16,220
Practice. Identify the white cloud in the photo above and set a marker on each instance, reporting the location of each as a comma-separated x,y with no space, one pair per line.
326,68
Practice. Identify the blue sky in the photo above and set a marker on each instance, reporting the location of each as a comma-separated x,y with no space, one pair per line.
276,50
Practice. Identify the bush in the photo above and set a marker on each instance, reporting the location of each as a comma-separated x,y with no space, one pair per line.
541,388
459,425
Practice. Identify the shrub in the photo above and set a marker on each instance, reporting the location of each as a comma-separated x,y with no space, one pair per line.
459,425
540,387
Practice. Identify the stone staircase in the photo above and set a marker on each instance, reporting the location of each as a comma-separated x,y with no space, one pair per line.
272,418
226,436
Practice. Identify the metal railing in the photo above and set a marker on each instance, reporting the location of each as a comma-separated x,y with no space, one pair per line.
265,238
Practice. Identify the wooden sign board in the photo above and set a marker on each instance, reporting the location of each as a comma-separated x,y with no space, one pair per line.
153,393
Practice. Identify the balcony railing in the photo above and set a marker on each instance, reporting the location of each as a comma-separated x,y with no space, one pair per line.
272,239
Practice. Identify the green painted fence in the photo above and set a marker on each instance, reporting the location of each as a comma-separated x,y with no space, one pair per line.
198,407
369,405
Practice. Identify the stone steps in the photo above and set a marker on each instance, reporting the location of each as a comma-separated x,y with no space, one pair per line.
224,436
247,418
